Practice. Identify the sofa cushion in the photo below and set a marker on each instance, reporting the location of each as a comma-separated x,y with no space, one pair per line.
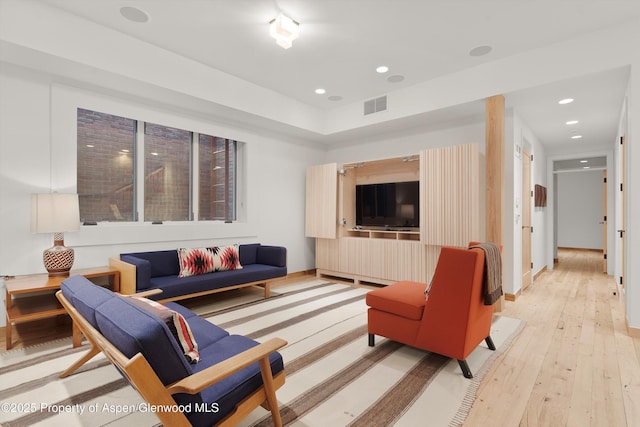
85,296
176,323
233,388
405,299
248,253
144,333
272,255
163,263
143,270
173,286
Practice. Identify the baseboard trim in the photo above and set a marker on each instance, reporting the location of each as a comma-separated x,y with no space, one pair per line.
633,332
302,273
580,249
539,273
512,297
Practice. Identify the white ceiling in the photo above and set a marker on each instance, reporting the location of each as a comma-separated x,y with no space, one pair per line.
343,41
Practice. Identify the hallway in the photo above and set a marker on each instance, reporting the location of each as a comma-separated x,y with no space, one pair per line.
574,364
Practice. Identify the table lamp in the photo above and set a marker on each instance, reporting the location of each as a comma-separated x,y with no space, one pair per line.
56,213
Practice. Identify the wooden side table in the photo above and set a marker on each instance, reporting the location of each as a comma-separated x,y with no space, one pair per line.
33,297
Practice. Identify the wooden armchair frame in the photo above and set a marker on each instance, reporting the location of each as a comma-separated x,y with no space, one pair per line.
144,379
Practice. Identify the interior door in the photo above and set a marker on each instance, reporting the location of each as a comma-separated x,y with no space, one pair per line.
604,221
322,201
526,220
622,198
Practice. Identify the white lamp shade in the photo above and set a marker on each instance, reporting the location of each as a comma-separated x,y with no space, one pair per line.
54,213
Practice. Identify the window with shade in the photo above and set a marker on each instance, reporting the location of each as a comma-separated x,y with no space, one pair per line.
185,176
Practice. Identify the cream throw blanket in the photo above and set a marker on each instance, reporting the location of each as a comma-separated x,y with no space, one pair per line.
492,277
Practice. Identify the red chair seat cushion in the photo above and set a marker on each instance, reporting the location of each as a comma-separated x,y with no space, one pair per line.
405,299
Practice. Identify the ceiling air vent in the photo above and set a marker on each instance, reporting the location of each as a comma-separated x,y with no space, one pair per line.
375,105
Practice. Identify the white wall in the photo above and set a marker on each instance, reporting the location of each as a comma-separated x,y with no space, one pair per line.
406,143
37,154
518,136
632,205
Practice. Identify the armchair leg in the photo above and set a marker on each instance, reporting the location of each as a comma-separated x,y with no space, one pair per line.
465,369
372,340
490,343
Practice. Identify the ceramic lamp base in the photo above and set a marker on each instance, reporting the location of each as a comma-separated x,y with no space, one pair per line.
58,259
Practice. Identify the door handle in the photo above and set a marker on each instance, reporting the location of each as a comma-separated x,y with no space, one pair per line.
621,232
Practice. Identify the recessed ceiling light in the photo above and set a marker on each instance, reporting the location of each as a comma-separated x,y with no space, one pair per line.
584,161
154,153
586,167
90,145
576,137
320,91
395,79
572,122
565,101
480,51
134,14
124,151
382,69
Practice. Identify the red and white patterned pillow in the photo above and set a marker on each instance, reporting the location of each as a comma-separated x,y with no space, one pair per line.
176,323
208,260
226,257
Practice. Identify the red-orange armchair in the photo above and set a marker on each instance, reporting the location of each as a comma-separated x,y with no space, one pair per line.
452,321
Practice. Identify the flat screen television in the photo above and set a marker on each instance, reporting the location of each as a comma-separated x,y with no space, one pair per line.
391,205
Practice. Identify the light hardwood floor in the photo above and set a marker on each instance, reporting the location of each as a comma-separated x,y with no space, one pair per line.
572,365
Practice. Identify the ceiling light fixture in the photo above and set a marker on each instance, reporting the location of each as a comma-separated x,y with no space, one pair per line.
565,101
584,161
320,91
576,137
285,30
572,122
382,69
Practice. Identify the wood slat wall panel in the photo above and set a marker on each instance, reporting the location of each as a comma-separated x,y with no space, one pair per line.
321,201
328,254
451,204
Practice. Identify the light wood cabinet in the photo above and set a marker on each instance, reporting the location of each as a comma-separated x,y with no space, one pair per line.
450,215
450,209
321,201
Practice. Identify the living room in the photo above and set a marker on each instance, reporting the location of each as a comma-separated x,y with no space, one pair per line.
48,72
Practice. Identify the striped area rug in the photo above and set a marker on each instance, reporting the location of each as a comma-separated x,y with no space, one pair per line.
333,376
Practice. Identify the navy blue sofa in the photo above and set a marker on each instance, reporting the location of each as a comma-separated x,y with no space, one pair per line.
261,264
133,330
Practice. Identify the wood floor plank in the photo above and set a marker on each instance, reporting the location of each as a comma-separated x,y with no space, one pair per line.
628,363
580,404
571,305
